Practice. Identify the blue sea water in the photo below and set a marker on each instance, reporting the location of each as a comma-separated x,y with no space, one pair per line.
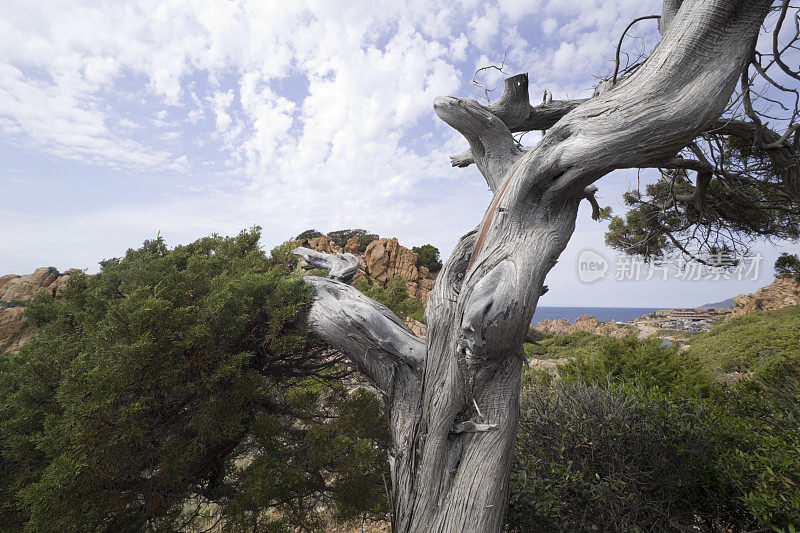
603,314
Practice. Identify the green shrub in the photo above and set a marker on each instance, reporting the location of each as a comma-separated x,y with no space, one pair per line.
309,234
341,237
428,256
395,297
788,265
592,458
742,439
748,342
180,381
759,454
633,361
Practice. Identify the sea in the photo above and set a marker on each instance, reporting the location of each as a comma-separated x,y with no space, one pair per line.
603,314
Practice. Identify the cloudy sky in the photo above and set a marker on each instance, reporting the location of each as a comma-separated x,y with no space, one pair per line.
120,120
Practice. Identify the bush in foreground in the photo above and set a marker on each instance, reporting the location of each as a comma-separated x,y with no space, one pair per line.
608,459
638,437
176,384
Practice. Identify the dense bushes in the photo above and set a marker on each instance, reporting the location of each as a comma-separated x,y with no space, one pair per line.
395,297
177,383
632,361
309,234
609,459
428,256
638,437
746,343
759,448
340,237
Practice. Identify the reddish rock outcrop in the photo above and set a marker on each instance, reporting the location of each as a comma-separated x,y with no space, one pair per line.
561,326
382,260
780,293
15,292
320,244
353,246
418,328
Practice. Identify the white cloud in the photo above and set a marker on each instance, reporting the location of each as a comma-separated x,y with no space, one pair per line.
222,102
516,9
484,27
296,114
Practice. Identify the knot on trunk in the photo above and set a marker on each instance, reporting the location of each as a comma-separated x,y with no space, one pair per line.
485,325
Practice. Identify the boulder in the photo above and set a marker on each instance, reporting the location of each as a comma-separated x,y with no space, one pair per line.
382,260
320,244
780,293
418,328
15,292
353,246
14,329
386,259
23,288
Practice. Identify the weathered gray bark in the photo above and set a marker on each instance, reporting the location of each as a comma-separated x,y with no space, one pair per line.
454,404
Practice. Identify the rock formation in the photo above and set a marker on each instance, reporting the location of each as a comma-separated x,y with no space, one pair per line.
382,260
418,328
561,326
780,293
15,292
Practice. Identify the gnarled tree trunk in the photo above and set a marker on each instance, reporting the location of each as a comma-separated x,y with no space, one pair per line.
453,402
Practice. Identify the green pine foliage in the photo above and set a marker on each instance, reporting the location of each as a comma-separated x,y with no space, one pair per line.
788,265
178,386
309,234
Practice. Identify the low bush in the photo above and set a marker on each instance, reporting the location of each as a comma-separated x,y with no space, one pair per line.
633,436
591,458
395,297
595,358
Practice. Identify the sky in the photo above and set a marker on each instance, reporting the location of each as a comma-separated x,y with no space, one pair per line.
123,121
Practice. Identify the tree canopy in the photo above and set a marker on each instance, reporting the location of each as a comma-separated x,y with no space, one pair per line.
788,265
340,237
428,256
736,183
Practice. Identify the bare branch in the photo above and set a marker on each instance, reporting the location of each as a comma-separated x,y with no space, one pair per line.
619,44
514,110
462,160
342,266
493,148
775,36
784,137
368,333
500,68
